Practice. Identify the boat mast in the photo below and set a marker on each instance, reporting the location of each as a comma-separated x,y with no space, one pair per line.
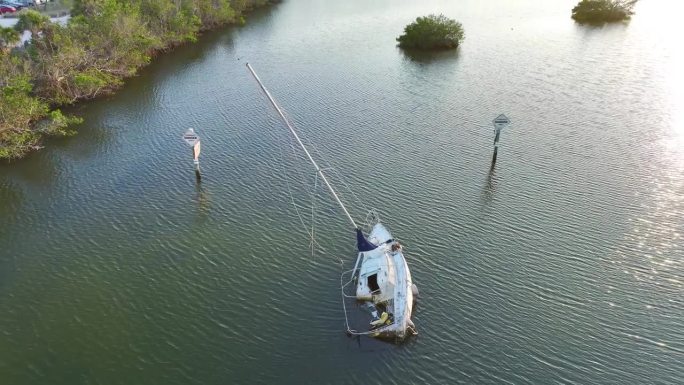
318,169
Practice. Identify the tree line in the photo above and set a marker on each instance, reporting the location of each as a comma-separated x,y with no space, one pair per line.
103,42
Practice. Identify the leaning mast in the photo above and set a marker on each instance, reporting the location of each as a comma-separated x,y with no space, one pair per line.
294,133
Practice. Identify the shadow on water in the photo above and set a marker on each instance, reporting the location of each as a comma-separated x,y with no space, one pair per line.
259,14
169,63
38,168
92,135
429,57
600,24
365,344
597,29
490,186
203,202
10,203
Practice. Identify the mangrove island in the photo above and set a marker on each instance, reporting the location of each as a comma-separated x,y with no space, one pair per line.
603,11
432,32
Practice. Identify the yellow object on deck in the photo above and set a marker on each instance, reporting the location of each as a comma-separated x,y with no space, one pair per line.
383,318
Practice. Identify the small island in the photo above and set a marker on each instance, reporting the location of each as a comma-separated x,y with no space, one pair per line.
603,11
432,32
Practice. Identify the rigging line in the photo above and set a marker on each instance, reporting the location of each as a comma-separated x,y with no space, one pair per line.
313,218
344,305
291,195
312,192
346,318
292,154
336,176
297,158
372,217
280,112
329,165
348,188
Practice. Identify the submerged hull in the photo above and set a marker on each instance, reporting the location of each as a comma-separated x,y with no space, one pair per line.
383,284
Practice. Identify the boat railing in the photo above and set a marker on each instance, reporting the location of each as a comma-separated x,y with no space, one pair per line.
372,218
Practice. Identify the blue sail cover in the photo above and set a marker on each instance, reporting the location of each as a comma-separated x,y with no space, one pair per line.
362,243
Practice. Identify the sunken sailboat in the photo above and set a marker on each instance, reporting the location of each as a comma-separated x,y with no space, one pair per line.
380,275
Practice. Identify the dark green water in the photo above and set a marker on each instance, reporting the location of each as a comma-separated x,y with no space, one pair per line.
563,265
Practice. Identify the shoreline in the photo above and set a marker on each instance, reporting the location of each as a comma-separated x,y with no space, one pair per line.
18,142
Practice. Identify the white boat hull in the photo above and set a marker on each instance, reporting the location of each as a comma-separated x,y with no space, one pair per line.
384,279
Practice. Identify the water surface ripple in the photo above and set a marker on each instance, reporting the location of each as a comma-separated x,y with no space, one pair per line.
563,264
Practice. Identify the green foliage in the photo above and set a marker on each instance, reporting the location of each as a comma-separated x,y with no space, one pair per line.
18,144
24,117
8,38
170,23
33,21
104,42
432,32
91,81
58,124
602,11
213,13
18,109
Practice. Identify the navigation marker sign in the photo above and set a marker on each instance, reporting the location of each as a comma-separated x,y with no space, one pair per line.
501,121
190,137
193,141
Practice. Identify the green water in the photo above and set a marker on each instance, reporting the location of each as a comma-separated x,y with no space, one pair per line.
564,264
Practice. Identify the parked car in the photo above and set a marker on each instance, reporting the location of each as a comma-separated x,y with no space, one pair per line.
29,3
19,3
7,9
13,4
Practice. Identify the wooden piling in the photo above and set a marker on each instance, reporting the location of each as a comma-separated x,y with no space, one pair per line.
496,147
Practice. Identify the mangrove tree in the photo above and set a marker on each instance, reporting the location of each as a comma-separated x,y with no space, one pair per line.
432,32
603,11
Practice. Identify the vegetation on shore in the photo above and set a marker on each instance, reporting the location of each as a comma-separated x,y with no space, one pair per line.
602,11
432,32
104,42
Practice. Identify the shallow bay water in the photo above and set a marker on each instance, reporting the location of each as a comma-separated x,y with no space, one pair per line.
563,264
